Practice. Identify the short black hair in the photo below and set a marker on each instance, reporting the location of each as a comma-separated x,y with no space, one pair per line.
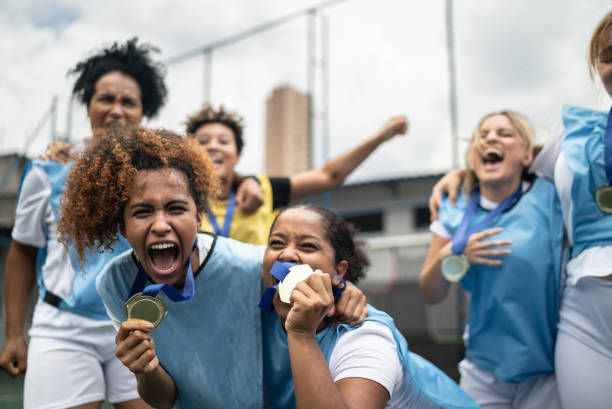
341,235
131,59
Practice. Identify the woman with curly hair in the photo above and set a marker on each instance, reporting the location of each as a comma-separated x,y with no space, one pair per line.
207,350
219,131
69,361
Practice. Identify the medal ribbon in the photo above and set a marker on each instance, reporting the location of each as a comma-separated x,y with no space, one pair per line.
171,292
229,214
461,236
608,150
279,270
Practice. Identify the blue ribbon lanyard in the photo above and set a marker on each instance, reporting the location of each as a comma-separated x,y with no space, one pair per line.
461,236
229,214
608,150
279,270
152,289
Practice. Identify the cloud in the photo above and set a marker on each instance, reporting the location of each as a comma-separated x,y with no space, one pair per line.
386,58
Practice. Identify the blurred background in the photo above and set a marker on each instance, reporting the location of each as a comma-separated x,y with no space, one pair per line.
312,79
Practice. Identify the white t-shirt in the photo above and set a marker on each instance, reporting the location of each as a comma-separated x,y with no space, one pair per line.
370,352
35,225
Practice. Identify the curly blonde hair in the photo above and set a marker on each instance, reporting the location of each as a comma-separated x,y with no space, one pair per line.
209,115
97,187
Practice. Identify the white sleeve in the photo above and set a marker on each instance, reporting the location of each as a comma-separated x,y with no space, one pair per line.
368,352
32,209
544,164
436,227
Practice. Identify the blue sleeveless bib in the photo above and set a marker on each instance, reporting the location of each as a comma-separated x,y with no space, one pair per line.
583,150
210,344
512,324
85,300
430,386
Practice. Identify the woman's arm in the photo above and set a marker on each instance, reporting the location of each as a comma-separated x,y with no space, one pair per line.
19,281
314,387
449,184
136,350
432,284
434,287
333,173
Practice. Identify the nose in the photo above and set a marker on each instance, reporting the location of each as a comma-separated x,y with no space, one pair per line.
160,224
117,110
289,254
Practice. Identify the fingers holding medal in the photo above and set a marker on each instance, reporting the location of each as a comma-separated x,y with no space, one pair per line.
135,346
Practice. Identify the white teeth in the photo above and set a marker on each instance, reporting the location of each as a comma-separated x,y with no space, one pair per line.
492,151
162,246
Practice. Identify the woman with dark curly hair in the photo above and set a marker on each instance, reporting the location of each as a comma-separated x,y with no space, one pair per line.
310,363
70,358
207,350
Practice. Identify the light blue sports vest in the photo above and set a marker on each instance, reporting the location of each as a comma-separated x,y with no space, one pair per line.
210,344
583,150
85,300
512,324
429,386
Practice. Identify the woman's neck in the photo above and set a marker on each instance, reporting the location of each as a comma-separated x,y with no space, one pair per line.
497,193
226,188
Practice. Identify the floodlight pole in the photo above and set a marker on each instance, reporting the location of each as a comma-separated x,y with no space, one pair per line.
450,47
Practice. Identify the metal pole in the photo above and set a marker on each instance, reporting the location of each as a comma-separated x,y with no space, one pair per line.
326,198
450,47
53,126
207,74
69,118
310,81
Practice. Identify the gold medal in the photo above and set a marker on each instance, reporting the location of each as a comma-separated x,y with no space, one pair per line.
145,307
454,266
603,198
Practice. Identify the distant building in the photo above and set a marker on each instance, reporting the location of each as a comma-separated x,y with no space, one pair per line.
287,132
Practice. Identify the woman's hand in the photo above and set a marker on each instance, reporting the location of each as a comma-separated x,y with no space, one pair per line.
58,151
397,125
479,251
249,196
351,307
135,347
311,300
449,184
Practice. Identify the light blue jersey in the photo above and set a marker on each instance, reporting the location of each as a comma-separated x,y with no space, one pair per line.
583,151
83,299
428,387
512,324
210,344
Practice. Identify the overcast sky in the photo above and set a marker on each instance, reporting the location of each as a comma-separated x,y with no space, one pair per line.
387,57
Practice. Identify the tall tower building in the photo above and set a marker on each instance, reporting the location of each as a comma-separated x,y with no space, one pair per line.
287,132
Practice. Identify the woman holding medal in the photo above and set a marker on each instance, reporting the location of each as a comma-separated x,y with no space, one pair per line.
579,163
70,360
184,303
504,247
219,131
309,363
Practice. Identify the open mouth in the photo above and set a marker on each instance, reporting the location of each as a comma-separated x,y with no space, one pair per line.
163,257
492,156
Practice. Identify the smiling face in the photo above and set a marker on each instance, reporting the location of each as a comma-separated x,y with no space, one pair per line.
160,223
604,65
220,143
299,236
498,153
117,98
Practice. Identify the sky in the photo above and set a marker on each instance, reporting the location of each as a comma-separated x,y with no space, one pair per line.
386,57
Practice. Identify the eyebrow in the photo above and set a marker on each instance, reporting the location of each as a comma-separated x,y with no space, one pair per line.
170,203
